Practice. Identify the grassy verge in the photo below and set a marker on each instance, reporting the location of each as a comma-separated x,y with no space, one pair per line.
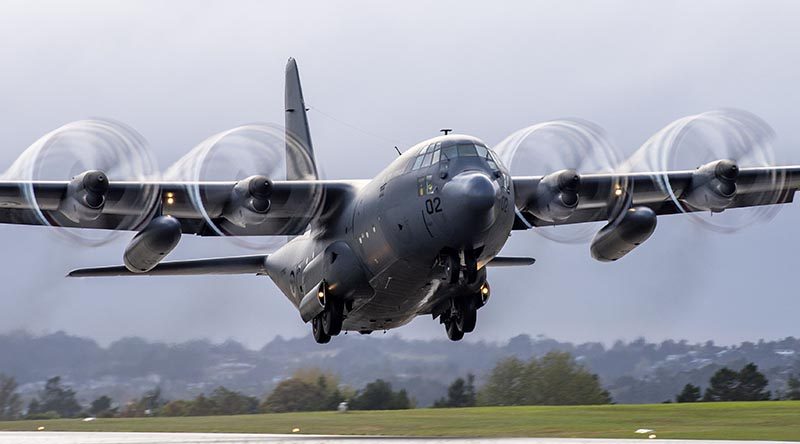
770,420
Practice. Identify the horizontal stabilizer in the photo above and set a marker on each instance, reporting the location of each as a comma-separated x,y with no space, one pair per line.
505,261
254,264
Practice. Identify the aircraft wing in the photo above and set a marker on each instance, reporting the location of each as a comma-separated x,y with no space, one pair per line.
203,208
600,195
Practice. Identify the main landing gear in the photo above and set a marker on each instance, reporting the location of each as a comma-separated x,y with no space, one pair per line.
329,322
463,313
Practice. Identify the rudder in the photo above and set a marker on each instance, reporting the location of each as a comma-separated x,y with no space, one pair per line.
297,168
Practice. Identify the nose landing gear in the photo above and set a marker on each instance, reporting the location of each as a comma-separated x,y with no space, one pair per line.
463,313
451,263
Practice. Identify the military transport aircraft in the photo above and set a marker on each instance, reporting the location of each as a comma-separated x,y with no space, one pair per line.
365,255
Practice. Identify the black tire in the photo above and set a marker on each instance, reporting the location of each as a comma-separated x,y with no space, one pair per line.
453,332
319,332
470,268
467,316
452,268
332,318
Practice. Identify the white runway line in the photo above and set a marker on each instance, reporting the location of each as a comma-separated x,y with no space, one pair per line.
227,438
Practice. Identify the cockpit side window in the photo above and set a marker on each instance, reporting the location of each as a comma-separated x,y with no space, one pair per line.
427,160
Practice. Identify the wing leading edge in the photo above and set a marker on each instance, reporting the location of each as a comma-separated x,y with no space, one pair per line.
599,194
202,208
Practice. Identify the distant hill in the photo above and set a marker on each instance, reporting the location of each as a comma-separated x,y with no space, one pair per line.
634,372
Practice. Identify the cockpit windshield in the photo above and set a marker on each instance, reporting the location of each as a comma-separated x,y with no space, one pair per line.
434,153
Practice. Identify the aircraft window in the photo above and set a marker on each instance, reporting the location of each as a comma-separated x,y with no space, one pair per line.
467,150
482,152
429,184
436,157
421,186
450,152
417,163
427,161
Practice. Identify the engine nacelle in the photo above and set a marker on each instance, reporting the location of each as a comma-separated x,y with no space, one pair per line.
713,186
85,196
313,303
150,245
249,202
556,196
623,234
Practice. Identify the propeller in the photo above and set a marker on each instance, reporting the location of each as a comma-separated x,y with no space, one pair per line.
92,154
715,145
254,155
561,150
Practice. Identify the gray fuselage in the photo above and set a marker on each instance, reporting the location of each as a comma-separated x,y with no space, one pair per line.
381,248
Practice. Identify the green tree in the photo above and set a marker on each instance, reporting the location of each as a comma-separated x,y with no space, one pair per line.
305,391
10,401
505,384
378,395
57,399
722,386
752,384
555,379
793,388
461,393
202,406
748,384
292,395
149,404
101,407
229,402
690,393
178,407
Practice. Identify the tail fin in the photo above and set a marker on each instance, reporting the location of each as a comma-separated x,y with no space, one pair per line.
297,128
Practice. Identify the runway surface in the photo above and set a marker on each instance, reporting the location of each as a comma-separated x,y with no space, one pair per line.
207,438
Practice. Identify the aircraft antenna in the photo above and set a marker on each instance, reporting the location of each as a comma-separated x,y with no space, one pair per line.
398,150
446,131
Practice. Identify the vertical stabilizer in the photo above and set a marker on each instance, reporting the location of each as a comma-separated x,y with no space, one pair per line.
297,167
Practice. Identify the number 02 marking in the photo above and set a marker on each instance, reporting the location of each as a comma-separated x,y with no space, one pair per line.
433,205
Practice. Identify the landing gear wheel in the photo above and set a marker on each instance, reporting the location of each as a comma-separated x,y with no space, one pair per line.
332,318
453,332
471,268
452,268
319,331
467,316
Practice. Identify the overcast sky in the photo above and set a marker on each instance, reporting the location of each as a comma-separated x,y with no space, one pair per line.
181,71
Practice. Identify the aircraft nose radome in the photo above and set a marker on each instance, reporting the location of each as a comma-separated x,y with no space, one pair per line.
474,190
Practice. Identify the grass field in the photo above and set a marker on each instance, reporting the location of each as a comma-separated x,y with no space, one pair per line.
770,420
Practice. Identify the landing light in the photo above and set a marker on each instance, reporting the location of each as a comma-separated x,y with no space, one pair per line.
618,192
484,290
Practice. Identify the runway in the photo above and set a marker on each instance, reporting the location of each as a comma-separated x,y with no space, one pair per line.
207,438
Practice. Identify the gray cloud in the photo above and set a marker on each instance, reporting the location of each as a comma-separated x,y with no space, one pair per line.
181,71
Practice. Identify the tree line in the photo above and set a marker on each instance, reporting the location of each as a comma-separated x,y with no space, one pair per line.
747,384
554,379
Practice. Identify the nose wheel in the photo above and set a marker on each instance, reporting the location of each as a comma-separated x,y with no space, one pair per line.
462,317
